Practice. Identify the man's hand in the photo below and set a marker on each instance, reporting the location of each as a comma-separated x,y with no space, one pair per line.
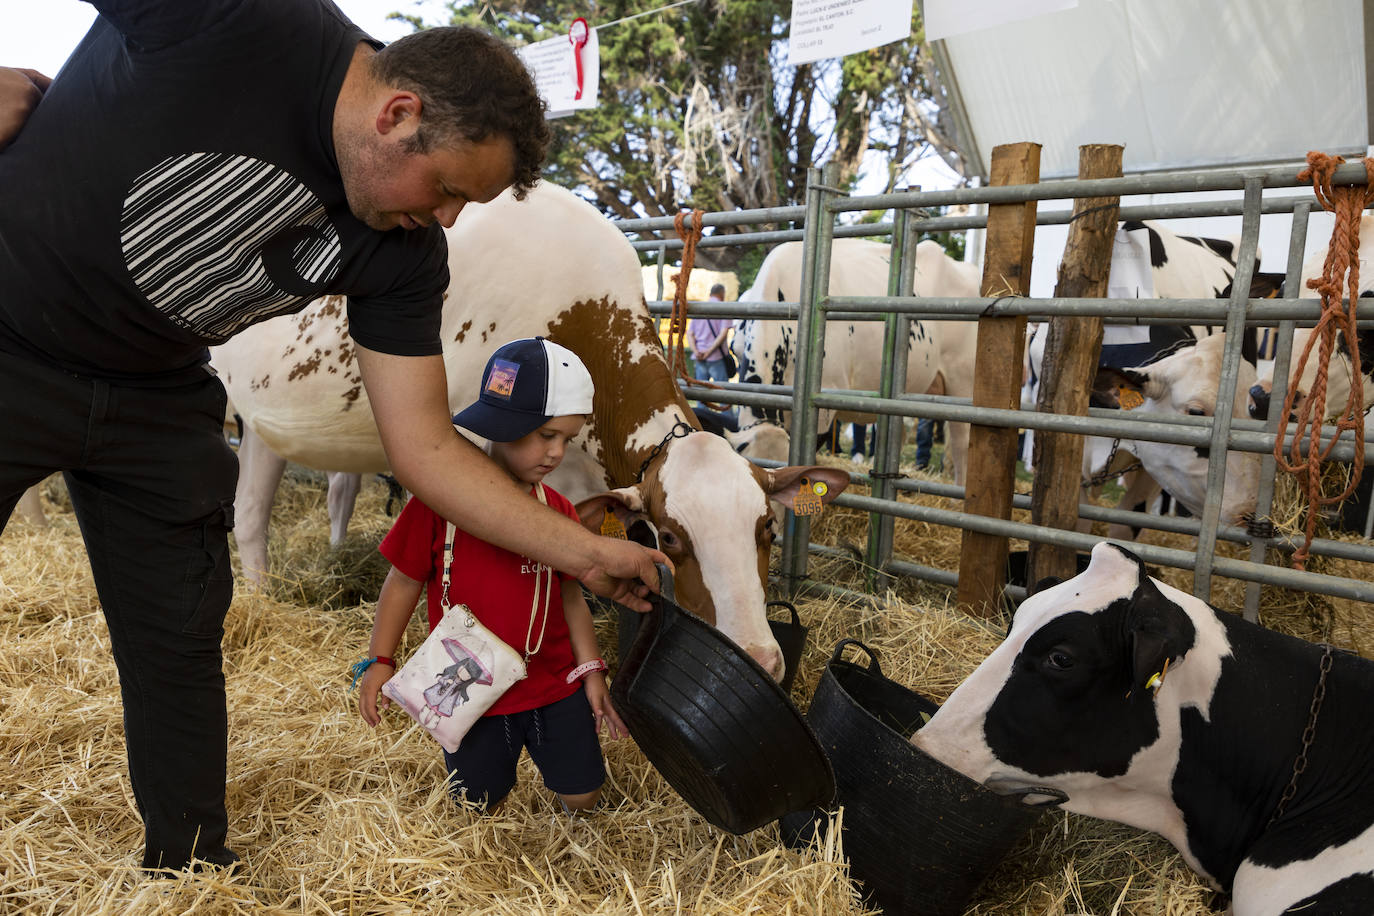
21,90
623,571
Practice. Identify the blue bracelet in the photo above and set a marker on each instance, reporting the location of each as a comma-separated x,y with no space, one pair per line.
358,668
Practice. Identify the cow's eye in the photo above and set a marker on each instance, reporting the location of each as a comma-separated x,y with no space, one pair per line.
1196,412
1060,661
668,540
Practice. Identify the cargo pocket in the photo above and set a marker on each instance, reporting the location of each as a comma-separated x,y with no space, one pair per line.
209,584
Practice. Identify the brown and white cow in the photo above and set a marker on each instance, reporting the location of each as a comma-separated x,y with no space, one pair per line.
552,266
940,354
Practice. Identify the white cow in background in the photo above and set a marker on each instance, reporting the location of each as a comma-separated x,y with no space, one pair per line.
1340,373
296,385
940,354
1185,383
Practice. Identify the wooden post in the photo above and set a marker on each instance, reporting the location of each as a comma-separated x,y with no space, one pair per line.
991,471
1072,350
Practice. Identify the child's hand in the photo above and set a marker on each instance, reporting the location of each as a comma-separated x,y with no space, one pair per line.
600,699
370,697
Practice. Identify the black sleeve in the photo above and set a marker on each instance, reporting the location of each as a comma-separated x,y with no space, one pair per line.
404,318
150,25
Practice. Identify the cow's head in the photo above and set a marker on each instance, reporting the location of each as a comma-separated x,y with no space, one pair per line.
709,509
1083,694
1339,389
1186,383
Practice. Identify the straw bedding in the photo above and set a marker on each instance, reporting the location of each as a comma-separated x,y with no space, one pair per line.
334,817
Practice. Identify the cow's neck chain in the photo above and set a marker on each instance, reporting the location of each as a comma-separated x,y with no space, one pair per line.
680,430
1308,733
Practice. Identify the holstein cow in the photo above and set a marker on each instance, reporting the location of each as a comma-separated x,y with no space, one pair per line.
1147,706
1340,373
1186,383
296,385
1180,267
939,356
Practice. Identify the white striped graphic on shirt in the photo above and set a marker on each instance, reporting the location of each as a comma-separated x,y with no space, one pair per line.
218,241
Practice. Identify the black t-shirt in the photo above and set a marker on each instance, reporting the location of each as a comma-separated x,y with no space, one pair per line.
178,183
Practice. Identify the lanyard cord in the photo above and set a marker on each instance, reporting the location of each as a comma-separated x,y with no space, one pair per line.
546,592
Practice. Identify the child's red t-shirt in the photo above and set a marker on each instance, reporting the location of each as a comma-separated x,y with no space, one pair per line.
499,588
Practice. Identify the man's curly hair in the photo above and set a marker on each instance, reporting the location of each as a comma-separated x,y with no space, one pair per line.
471,85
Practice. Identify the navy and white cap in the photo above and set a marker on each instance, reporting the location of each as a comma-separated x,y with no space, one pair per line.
527,383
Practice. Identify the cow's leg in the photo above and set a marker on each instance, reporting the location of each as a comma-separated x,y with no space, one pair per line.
260,472
1140,487
31,508
343,495
956,450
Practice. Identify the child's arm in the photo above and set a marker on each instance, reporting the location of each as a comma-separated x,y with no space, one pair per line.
582,633
395,604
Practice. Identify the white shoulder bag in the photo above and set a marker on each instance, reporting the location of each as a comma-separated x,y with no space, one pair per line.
463,668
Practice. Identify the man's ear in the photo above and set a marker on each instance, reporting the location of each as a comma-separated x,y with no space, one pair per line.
400,110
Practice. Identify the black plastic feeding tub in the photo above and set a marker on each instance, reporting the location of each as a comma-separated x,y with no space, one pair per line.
722,732
919,836
790,636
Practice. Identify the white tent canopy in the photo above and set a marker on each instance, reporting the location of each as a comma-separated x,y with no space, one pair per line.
1179,83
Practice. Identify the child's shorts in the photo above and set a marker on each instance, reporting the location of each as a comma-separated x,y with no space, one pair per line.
562,741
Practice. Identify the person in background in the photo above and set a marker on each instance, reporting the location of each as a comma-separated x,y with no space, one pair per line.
535,396
205,166
709,343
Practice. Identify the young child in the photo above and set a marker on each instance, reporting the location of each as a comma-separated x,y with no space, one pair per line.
534,399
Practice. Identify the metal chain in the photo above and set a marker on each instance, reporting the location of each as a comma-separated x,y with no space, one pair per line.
1107,473
680,430
1308,734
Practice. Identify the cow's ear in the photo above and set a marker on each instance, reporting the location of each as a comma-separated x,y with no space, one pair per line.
1160,634
782,484
612,513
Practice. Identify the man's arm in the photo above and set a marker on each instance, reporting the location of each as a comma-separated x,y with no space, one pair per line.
409,396
21,90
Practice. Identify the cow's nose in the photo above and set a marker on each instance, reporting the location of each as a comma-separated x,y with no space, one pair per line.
1259,403
770,658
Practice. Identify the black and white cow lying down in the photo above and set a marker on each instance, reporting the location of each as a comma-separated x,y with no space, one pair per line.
1079,698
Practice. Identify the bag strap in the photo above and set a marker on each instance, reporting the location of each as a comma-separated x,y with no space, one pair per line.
546,591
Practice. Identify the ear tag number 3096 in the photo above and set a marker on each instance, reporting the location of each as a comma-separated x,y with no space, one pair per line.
808,498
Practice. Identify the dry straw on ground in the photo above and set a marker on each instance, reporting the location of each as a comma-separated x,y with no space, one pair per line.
334,817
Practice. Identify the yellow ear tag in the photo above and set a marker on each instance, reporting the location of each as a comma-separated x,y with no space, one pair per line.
820,488
1129,398
1157,679
807,501
612,527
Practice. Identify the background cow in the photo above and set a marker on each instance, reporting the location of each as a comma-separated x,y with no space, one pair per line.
296,385
939,356
1340,372
1185,383
1149,707
1179,267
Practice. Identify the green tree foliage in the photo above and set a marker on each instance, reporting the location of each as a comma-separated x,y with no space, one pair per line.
699,109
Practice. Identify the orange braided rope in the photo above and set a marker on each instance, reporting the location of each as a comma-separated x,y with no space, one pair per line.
1342,268
677,319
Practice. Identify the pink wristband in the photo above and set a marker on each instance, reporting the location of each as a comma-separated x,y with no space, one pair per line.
586,668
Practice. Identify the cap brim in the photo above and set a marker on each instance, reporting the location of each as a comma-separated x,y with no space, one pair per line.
497,423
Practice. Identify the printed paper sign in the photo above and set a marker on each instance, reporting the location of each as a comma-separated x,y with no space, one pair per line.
834,28
1130,277
954,17
554,65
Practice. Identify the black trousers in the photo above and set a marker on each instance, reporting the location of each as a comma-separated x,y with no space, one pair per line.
152,483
